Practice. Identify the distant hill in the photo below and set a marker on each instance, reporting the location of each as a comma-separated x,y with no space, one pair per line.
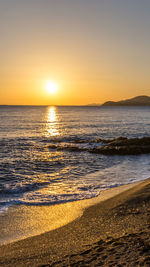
135,101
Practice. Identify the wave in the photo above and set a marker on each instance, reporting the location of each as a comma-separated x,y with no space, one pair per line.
8,189
51,200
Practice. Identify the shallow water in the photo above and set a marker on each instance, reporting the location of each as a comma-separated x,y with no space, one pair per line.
34,172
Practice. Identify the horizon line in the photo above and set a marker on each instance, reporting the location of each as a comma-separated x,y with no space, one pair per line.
46,105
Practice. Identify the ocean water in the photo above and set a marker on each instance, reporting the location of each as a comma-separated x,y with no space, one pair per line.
36,166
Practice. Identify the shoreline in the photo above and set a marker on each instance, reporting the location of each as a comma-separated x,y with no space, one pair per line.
115,230
30,221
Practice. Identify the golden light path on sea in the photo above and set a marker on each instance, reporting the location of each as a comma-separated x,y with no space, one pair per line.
52,122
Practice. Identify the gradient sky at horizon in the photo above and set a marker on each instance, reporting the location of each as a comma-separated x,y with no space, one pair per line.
96,50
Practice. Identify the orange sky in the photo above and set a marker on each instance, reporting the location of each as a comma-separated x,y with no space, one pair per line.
94,50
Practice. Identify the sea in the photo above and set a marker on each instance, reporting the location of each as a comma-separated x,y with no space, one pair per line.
45,158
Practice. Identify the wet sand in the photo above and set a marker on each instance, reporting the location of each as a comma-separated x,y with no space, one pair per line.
113,231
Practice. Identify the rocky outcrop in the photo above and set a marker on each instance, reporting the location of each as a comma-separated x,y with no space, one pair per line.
124,146
116,146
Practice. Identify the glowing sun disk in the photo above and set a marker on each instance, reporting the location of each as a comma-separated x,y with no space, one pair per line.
51,87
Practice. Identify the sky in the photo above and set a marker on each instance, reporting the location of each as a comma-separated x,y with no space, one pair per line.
94,50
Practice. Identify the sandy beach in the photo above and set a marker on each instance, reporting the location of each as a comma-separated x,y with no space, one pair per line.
113,231
74,133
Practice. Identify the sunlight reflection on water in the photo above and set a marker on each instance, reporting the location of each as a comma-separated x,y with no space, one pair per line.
52,122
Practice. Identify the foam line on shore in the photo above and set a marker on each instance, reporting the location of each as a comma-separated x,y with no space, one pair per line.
30,221
113,232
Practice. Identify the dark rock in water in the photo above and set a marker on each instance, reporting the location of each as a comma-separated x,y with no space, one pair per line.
116,146
69,148
124,146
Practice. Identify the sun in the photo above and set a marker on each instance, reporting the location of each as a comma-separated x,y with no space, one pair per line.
51,87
